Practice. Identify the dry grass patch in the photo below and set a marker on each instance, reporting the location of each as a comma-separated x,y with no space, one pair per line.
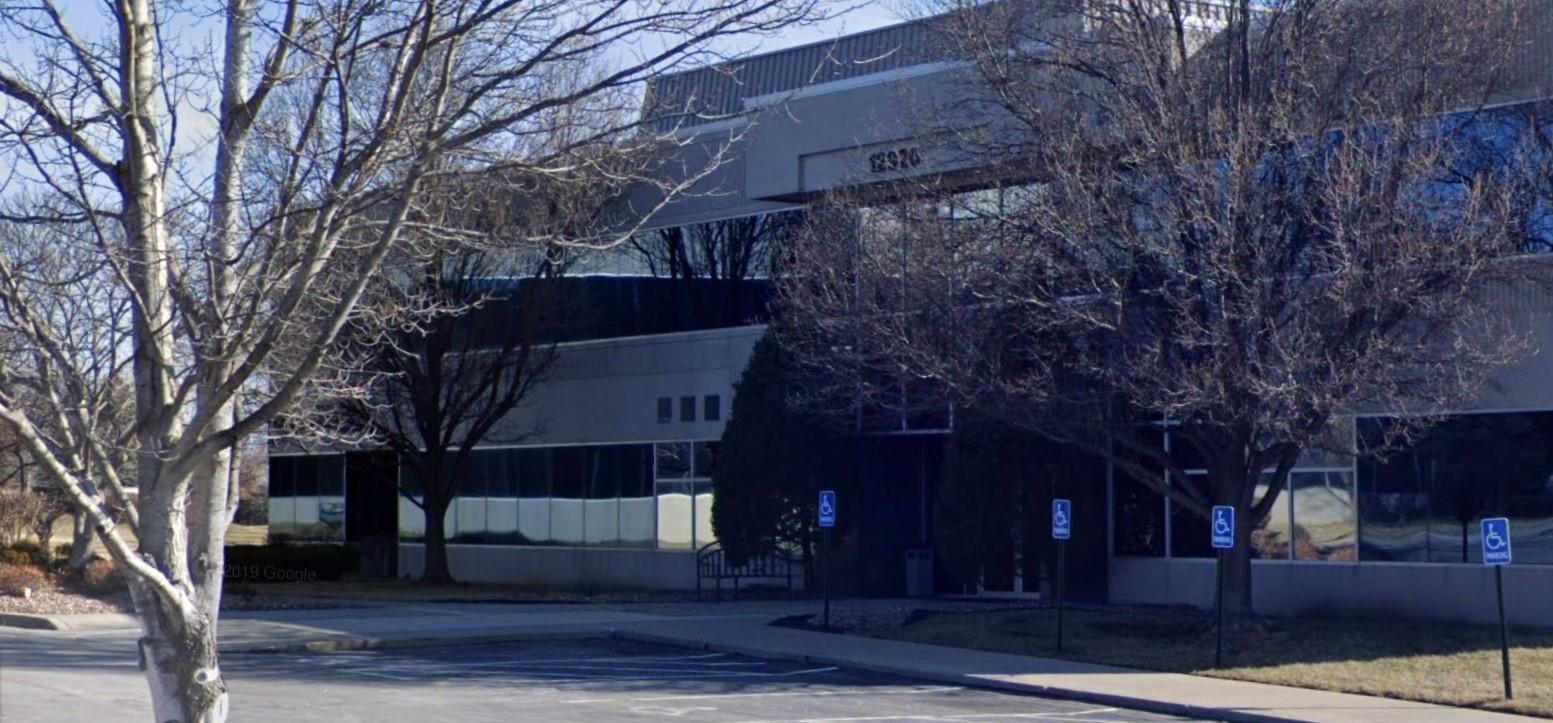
1448,664
248,535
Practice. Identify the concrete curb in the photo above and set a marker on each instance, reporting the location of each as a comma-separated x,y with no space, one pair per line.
29,622
363,642
970,681
77,621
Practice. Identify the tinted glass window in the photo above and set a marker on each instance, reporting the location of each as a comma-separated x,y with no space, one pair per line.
1325,515
1270,539
665,410
306,476
331,476
706,458
282,476
713,411
604,470
476,475
687,409
534,473
501,480
568,471
636,471
1189,533
674,460
1185,454
1423,503
1140,518
409,478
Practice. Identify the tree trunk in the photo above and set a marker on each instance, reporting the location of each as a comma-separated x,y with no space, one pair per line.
1232,486
178,655
81,538
1237,568
436,570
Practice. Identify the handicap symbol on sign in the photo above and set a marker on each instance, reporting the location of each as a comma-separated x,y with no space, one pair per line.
1223,527
827,508
1062,527
1496,541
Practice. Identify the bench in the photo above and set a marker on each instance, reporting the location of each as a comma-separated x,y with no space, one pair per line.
712,564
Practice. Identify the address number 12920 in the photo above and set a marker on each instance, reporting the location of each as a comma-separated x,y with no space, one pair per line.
895,159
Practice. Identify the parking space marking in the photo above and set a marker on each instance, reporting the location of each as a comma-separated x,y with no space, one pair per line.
690,667
772,694
676,675
1074,716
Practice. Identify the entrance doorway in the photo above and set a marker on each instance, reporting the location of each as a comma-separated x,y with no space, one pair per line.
372,510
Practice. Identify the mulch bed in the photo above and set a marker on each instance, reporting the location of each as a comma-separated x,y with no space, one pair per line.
66,602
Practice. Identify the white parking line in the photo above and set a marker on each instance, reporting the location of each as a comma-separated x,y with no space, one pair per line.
622,659
771,694
954,717
675,675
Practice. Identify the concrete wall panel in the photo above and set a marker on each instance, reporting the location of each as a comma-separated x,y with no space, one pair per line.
584,568
1418,591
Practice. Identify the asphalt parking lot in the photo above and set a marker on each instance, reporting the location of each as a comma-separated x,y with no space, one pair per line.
605,680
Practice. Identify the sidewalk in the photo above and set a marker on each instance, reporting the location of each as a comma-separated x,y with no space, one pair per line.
742,628
1161,692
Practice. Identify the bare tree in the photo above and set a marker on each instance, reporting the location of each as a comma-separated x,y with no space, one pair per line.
443,378
90,407
733,249
1236,220
241,207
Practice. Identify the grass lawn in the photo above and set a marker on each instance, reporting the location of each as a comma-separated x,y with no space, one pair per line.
394,590
236,534
1449,664
247,534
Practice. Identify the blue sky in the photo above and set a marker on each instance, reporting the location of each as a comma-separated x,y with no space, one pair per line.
851,17
196,29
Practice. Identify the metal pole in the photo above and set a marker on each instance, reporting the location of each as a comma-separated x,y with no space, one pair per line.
827,578
1218,604
1062,577
1504,632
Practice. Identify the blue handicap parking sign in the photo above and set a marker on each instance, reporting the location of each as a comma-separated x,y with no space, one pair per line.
827,508
1062,519
1223,527
1496,541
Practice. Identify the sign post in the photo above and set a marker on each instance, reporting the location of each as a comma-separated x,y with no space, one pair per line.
1062,529
1223,532
827,521
1496,552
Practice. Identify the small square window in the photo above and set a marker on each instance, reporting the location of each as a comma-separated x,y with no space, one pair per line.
665,410
712,408
687,409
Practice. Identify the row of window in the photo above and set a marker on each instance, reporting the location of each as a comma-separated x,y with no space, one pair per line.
711,409
1420,504
626,495
631,495
307,498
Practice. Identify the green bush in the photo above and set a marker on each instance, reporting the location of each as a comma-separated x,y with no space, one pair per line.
290,563
24,553
772,464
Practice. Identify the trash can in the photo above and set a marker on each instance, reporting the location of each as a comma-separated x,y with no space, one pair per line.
919,573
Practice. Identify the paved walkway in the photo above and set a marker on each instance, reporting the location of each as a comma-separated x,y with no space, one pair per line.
742,628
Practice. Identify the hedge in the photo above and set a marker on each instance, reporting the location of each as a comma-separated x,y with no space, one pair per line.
290,563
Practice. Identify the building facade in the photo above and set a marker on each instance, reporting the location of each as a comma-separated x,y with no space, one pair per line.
610,485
